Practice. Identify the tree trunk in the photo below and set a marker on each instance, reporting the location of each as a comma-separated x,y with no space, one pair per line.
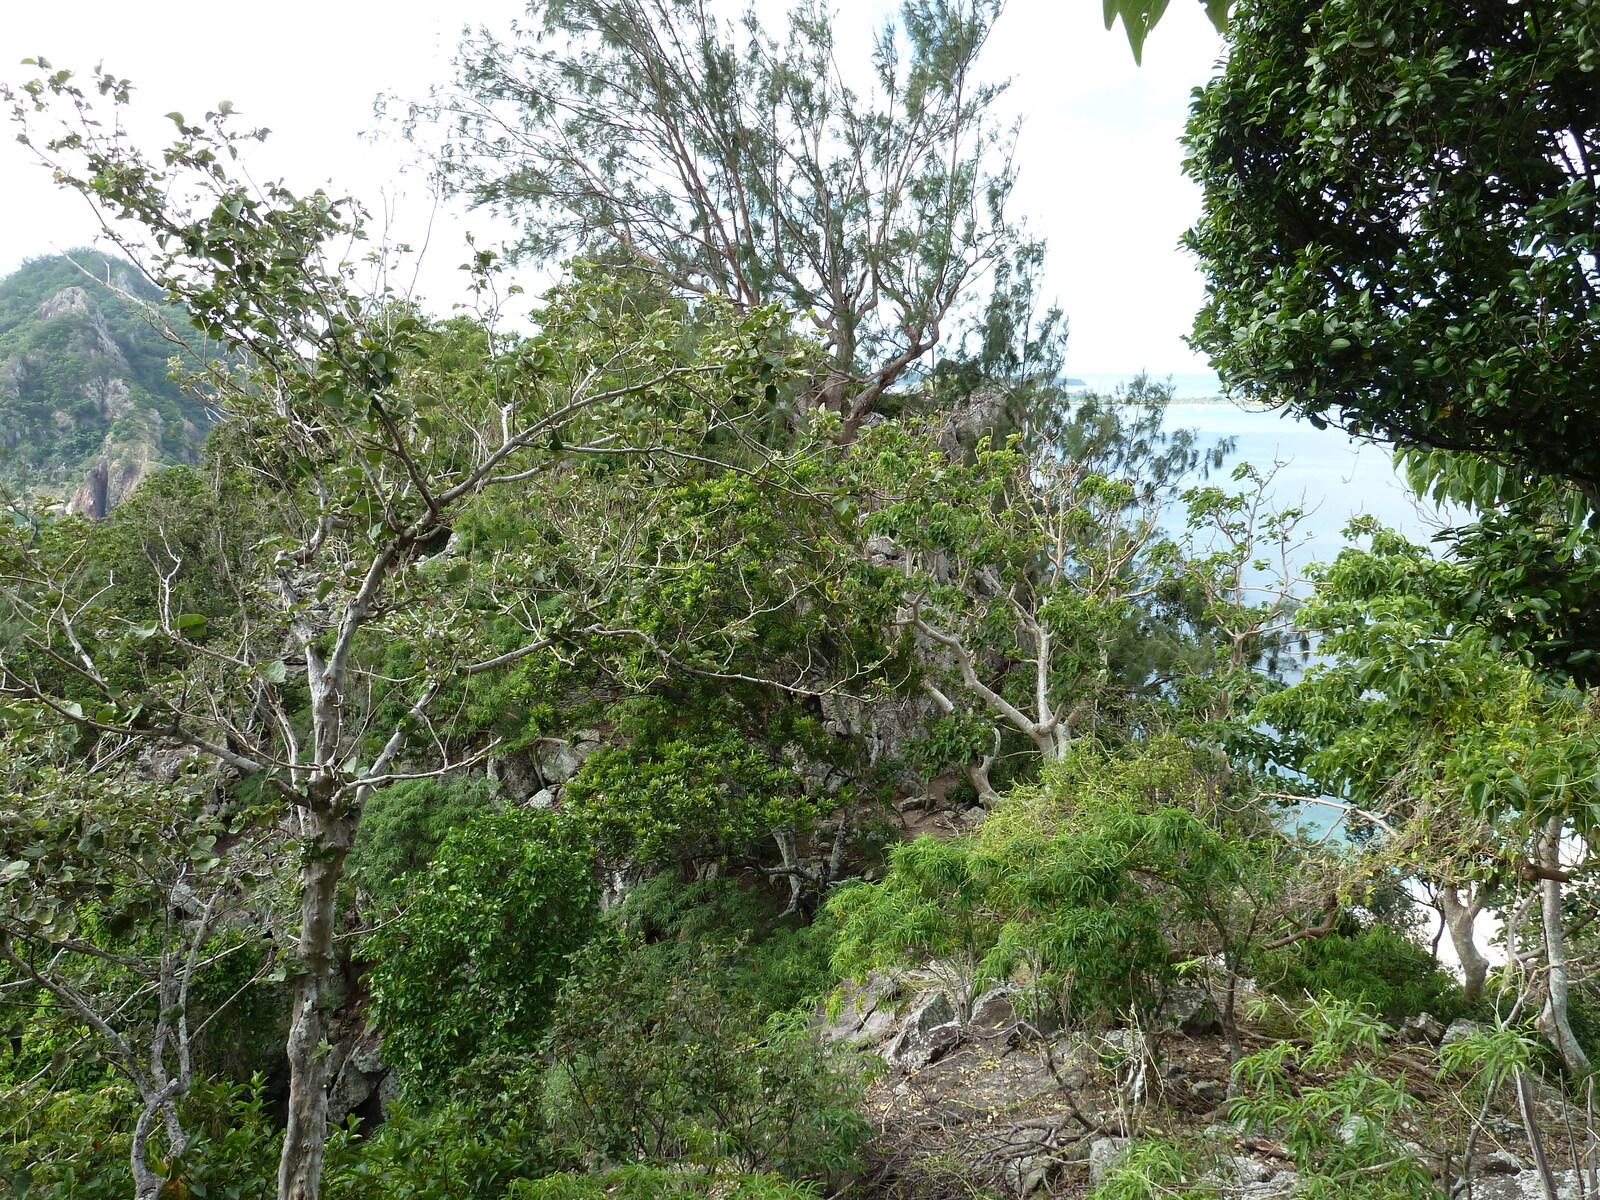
1553,1021
1460,917
315,992
147,1185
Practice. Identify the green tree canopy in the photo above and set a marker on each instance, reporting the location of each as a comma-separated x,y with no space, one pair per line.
719,158
1400,223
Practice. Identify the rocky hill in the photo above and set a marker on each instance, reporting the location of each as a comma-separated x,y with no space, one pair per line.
86,405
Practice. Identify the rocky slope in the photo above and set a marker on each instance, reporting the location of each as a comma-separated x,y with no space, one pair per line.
86,408
994,1103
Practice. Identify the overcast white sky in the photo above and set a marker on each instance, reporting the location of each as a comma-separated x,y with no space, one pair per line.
1099,155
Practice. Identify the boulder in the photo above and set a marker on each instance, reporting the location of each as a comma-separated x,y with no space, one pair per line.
863,1012
1103,1155
1209,1091
1128,1043
1423,1027
995,1010
1279,1187
1497,1162
913,1048
558,762
389,1089
1191,1010
1459,1031
1026,1174
1525,1185
1240,1169
934,1009
358,1076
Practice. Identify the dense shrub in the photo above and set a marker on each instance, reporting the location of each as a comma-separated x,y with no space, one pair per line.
657,1183
688,785
450,1152
73,1145
403,826
1092,884
1375,965
785,961
472,964
658,1062
1063,909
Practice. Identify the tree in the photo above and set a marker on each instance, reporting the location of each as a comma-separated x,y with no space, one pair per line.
368,433
473,963
1466,767
646,133
117,892
1532,560
1400,223
1040,590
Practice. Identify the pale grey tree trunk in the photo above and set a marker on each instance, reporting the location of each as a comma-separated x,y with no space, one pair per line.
1460,917
1554,1020
315,993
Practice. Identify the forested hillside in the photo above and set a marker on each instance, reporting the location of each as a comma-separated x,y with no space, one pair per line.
735,725
86,402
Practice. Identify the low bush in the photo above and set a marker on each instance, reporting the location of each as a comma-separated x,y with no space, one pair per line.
785,961
73,1145
473,963
1340,1130
660,1183
454,1151
1374,965
657,1063
1092,884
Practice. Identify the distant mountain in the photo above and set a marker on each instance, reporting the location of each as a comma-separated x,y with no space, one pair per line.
86,408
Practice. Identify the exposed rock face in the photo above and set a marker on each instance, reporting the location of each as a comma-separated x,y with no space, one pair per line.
971,420
108,483
362,1083
1526,1185
864,1013
93,496
86,408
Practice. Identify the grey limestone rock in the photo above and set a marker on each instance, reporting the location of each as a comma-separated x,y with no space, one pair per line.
1497,1162
1459,1031
995,1009
1525,1185
1424,1027
1191,1010
914,1049
858,1005
1103,1155
934,1009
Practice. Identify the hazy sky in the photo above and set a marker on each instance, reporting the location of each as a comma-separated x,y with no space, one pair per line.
1099,155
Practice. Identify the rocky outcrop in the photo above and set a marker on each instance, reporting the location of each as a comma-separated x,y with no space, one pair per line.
1527,1185
362,1084
94,334
1015,1107
110,481
87,410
